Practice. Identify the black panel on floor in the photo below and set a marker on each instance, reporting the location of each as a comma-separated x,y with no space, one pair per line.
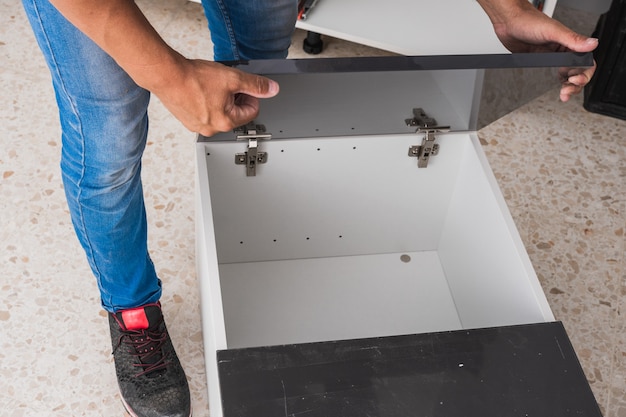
528,370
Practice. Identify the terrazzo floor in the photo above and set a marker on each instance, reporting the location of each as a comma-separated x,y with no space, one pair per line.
562,171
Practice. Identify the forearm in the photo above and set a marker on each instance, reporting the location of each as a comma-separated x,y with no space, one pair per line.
121,29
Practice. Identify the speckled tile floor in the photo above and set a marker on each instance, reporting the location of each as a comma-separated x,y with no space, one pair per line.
561,169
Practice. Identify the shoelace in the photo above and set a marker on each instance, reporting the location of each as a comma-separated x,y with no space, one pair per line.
146,346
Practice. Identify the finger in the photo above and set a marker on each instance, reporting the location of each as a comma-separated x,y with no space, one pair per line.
245,105
590,71
568,90
239,110
257,86
560,34
580,80
577,76
244,110
573,41
583,44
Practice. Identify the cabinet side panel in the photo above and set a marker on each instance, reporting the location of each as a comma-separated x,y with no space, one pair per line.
488,271
213,329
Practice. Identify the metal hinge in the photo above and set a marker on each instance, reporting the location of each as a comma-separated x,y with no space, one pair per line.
427,125
253,133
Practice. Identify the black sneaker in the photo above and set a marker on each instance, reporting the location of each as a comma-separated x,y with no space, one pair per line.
152,381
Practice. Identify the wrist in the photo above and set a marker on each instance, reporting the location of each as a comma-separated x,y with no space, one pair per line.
168,70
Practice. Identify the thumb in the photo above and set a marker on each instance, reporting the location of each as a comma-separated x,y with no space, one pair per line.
571,40
244,104
258,86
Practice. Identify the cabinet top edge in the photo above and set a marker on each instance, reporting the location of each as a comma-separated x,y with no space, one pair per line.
415,63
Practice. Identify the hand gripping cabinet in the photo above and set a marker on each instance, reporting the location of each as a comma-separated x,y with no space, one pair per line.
356,257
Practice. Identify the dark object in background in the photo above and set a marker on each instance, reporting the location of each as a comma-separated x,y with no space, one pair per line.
606,93
313,43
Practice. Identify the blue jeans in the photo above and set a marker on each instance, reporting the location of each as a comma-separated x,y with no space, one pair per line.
104,124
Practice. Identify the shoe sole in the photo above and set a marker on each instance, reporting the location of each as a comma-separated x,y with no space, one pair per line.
130,412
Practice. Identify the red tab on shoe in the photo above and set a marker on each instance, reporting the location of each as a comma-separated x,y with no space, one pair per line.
135,319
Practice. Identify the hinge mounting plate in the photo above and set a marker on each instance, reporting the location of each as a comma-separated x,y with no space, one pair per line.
252,157
427,125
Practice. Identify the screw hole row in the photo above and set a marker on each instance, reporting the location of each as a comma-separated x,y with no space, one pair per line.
317,130
282,150
276,240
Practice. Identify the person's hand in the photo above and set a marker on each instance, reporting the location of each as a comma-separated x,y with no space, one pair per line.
522,28
205,96
209,97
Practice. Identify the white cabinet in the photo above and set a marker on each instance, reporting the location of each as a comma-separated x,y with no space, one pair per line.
328,230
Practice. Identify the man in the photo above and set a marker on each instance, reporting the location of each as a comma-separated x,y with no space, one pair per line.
106,59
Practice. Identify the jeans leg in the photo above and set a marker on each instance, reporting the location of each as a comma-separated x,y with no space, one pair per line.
250,29
104,128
